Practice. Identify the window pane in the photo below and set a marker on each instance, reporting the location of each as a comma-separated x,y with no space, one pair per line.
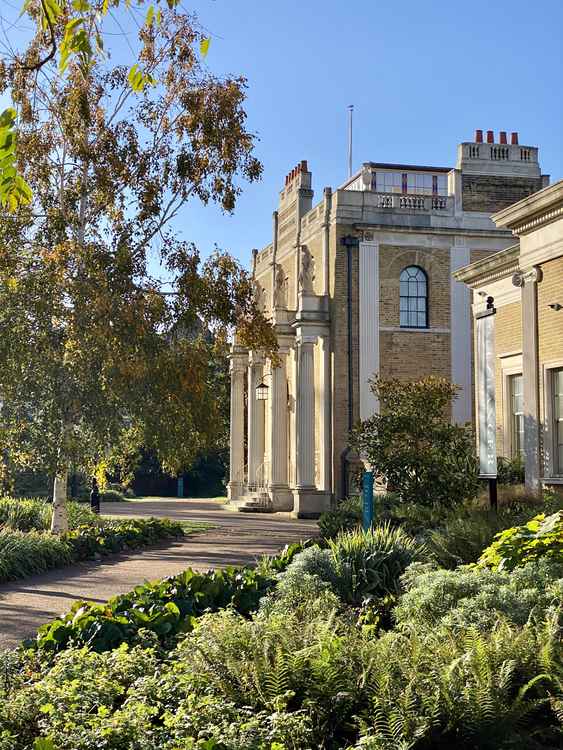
413,303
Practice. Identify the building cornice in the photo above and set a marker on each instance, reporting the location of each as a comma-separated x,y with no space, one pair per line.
532,212
497,266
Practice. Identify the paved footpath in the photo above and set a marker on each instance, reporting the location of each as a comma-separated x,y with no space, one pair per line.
239,538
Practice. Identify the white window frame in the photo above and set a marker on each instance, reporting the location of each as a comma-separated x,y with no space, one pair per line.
550,465
511,364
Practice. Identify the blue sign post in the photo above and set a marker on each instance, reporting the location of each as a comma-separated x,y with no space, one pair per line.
180,492
367,495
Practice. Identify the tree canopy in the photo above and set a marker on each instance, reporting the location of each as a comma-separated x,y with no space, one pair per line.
94,350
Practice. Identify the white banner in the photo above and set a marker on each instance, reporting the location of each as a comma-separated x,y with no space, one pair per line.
486,417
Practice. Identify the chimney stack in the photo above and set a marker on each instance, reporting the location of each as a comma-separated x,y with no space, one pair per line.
514,139
502,137
490,136
478,136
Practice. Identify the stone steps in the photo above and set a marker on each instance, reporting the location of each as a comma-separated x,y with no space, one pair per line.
254,503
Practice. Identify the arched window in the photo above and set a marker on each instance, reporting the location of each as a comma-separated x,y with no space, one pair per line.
414,298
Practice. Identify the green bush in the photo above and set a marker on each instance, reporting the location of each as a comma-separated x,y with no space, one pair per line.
24,515
112,496
35,513
457,536
436,690
25,553
472,597
510,470
346,516
371,563
357,564
414,446
542,537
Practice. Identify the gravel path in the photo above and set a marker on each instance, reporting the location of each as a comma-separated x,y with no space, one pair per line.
239,539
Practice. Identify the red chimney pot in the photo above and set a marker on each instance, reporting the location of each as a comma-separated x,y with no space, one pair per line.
478,136
514,139
304,166
502,137
490,136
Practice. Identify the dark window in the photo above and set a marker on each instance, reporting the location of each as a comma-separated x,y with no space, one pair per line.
414,298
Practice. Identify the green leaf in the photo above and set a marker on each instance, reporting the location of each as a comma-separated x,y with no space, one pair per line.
150,16
43,743
204,46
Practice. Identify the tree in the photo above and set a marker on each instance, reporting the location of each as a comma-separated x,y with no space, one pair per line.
413,446
90,356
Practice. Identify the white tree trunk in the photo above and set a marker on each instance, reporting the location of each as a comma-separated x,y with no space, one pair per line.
59,521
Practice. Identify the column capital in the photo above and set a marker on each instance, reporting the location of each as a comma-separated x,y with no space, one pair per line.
238,357
308,341
256,359
527,276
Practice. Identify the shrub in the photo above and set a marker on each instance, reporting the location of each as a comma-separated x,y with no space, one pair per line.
472,597
357,564
542,537
372,563
24,515
468,690
28,553
414,446
346,516
280,663
35,513
112,496
510,470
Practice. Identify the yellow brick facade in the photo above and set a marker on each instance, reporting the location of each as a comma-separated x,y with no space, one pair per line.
526,283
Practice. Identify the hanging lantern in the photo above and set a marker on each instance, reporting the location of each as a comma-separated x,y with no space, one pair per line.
262,392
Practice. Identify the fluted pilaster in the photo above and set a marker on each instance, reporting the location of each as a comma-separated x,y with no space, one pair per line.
278,423
255,419
238,360
305,414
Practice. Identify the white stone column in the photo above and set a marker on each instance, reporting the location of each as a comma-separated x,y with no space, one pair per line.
460,336
238,360
305,414
369,326
325,415
278,424
255,420
530,377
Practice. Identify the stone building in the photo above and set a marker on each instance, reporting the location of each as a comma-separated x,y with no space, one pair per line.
524,284
357,284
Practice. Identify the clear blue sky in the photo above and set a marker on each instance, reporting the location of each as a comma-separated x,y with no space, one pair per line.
421,74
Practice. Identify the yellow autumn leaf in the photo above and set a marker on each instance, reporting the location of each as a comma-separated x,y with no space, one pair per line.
204,46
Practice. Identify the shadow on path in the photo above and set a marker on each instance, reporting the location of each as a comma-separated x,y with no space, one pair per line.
241,539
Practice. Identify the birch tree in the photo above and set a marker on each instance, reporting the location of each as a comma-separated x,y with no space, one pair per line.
104,157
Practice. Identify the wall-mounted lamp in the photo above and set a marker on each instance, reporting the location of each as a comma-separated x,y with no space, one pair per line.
556,306
262,392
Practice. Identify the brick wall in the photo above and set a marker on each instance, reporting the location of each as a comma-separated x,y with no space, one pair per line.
550,327
490,193
435,262
508,338
339,338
